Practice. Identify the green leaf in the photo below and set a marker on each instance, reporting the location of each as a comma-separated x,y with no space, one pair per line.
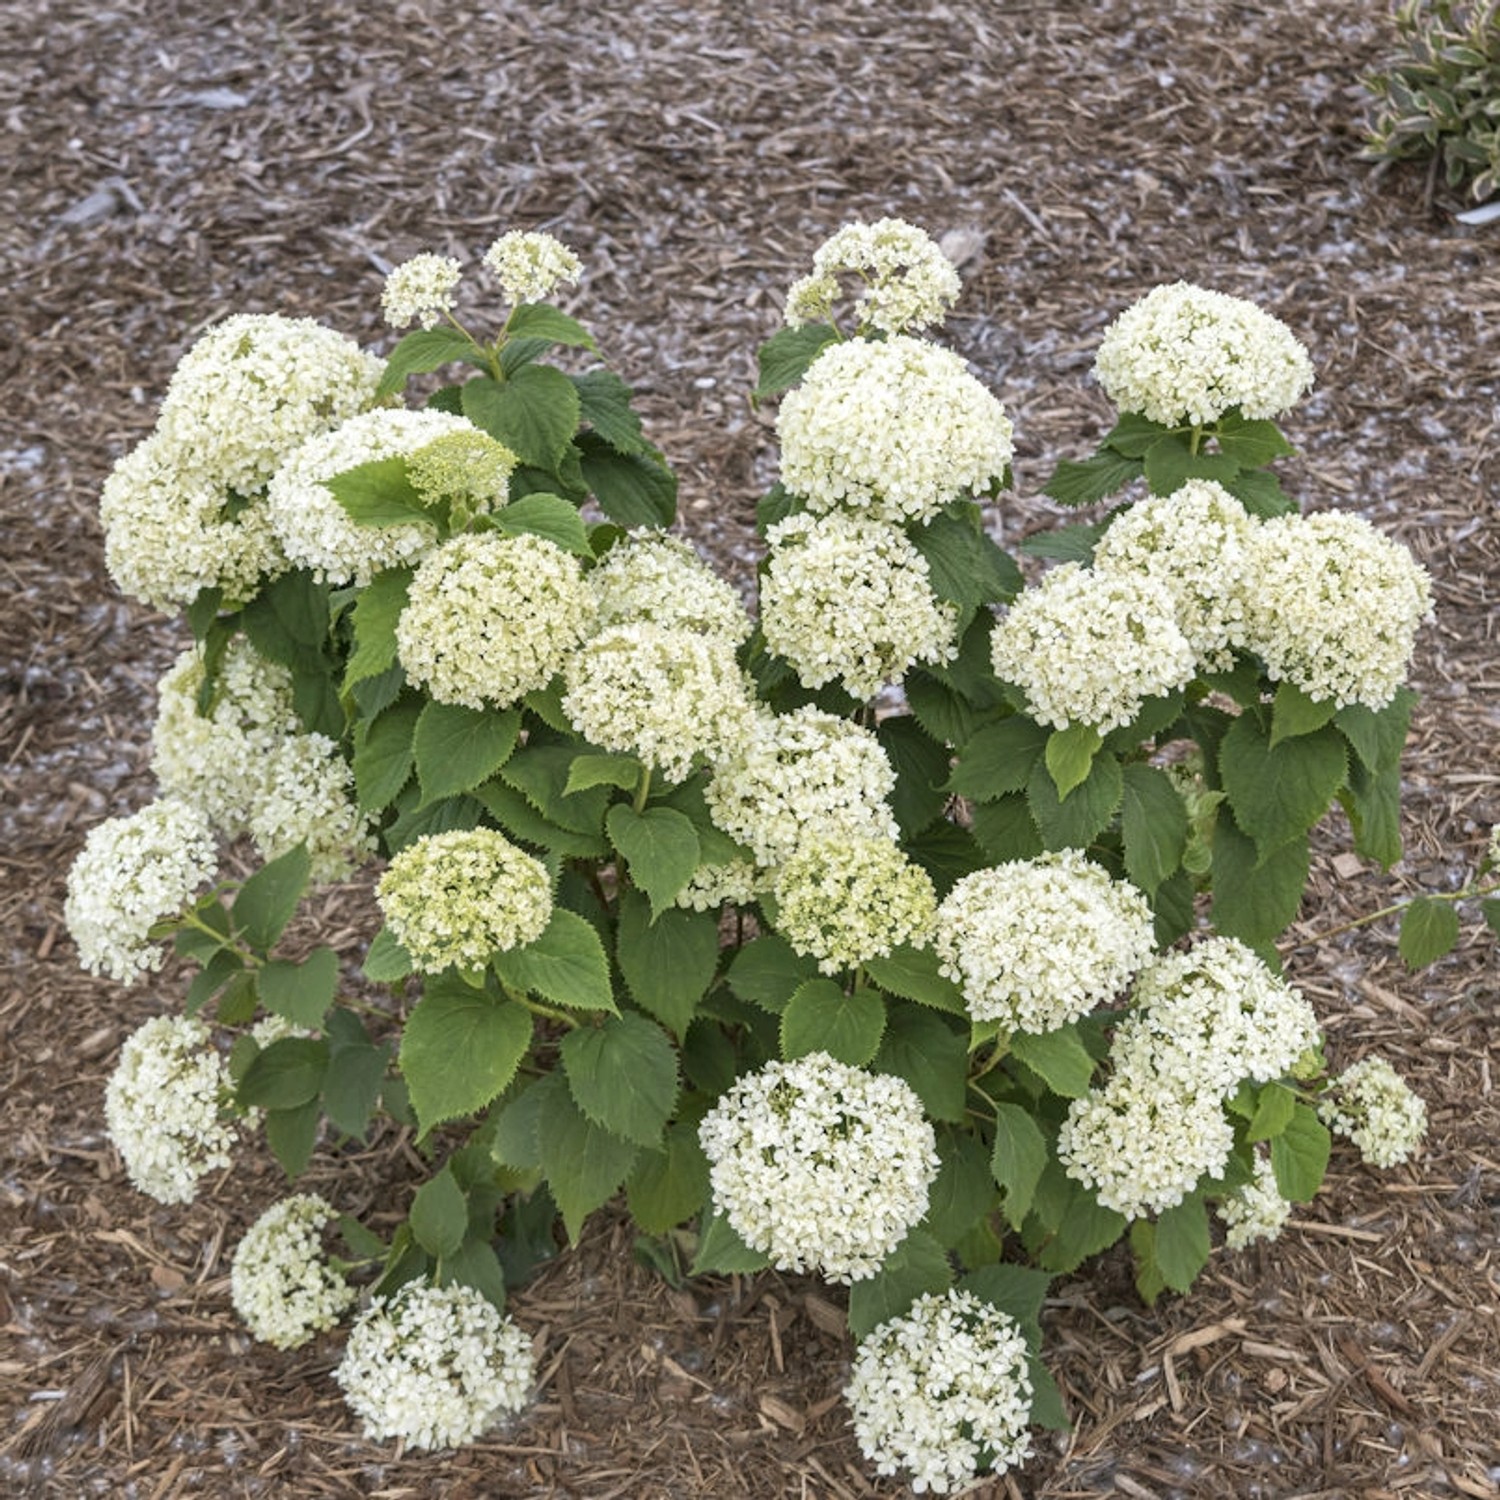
965,563
383,754
221,967
1070,756
933,1058
1018,1160
540,772
721,1250
586,771
1255,899
584,1163
1154,826
767,972
1078,821
1293,713
460,1050
1096,478
962,1192
1133,434
515,1139
1251,443
285,1074
1260,493
288,617
1047,1408
604,404
1279,791
633,489
623,1075
999,758
1084,1228
666,1187
919,1264
914,974
1017,1290
1149,1282
922,769
1075,543
540,320
387,962
1490,910
547,516
1377,737
516,815
238,1000
1005,829
421,351
439,1215
661,847
947,853
668,965
379,493
475,1264
1170,463
1429,929
820,1017
1299,1155
301,992
376,611
356,1073
1274,1107
1182,1244
788,354
291,1134
456,748
534,413
266,901
1057,1056
565,965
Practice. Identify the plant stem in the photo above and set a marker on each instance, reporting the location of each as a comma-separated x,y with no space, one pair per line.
1469,892
643,789
537,1008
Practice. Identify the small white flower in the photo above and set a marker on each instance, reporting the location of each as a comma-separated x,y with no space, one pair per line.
1257,1211
822,1166
420,290
280,1280
305,795
1372,1106
435,1366
530,265
661,580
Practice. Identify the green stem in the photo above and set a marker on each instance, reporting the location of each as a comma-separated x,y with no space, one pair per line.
643,789
1469,892
1195,441
190,918
537,1008
490,354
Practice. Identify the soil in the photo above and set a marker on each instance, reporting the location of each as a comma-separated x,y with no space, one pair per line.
173,161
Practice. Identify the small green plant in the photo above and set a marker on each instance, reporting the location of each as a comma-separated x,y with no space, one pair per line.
1440,99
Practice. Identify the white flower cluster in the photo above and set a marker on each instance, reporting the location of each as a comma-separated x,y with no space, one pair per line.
163,1108
806,769
420,290
737,882
844,898
465,468
660,580
490,618
316,532
1038,943
668,696
943,1393
1372,1106
132,873
1090,647
1256,1211
529,265
250,768
1186,355
1194,544
908,281
894,430
1334,606
435,1366
457,898
1202,1021
821,1166
848,598
280,1280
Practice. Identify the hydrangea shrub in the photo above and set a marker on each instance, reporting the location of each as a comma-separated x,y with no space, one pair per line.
916,930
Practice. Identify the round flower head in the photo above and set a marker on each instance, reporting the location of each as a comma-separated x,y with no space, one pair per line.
670,697
305,795
943,1393
1371,1105
907,280
280,1280
1185,355
491,617
847,897
132,873
420,290
821,1166
1090,648
466,470
736,883
254,388
316,532
1194,544
894,430
660,580
847,598
799,771
170,532
529,266
458,898
435,1366
163,1108
1038,943
1256,1211
1335,606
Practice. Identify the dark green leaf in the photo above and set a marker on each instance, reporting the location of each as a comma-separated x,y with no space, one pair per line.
376,611
922,1048
820,1017
1252,444
288,615
1429,929
1059,1057
456,748
962,1192
534,413
266,901
1005,829
916,1266
421,819
1016,1290
1274,1107
286,1074
947,853
222,966
661,847
1294,713
475,1264
387,962
356,1072
623,1075
668,964
540,320
767,972
1278,791
1260,493
787,355
1182,1243
966,564
1377,737
666,1187
586,771
721,1250
999,758
584,1162
1078,821
633,489
460,1050
1096,478
604,404
1018,1160
547,516
1085,1228
542,773
1133,434
383,755
566,965
301,992
913,973
1299,1155
1170,463
1154,826
1254,899
439,1216
922,769
1075,543
423,350
291,1134
514,813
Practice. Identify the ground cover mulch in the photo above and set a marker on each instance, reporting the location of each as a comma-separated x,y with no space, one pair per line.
167,162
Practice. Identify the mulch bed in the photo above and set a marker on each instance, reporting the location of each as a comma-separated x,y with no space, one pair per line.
172,162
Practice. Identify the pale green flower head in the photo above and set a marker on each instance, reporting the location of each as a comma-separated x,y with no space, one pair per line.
281,1282
531,265
470,470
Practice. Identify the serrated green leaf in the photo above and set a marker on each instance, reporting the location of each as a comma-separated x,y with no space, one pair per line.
1005,829
1016,1290
1018,1160
919,1264
660,846
547,516
1279,791
383,754
1074,543
376,611
439,1215
1293,713
379,493
420,819
1153,826
1097,477
534,413
584,1163
356,1074
767,972
1260,493
1251,443
1377,736
669,964
722,1251
475,1264
1255,899
998,758
460,1050
1088,810
565,965
820,1017
787,356
1059,1057
541,772
962,1192
421,351
1133,434
284,1075
516,815
540,320
965,564
1085,1227
291,1134
222,965
586,771
947,853
300,992
604,405
667,1187
1490,911
1429,929
1182,1243
623,1075
1299,1155
915,974
1170,463
1070,756
386,962
456,748
265,903
920,1047
922,769
1275,1105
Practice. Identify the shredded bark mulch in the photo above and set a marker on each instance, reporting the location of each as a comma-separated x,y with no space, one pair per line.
171,162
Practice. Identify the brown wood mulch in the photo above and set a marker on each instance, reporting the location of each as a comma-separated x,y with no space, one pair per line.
169,162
